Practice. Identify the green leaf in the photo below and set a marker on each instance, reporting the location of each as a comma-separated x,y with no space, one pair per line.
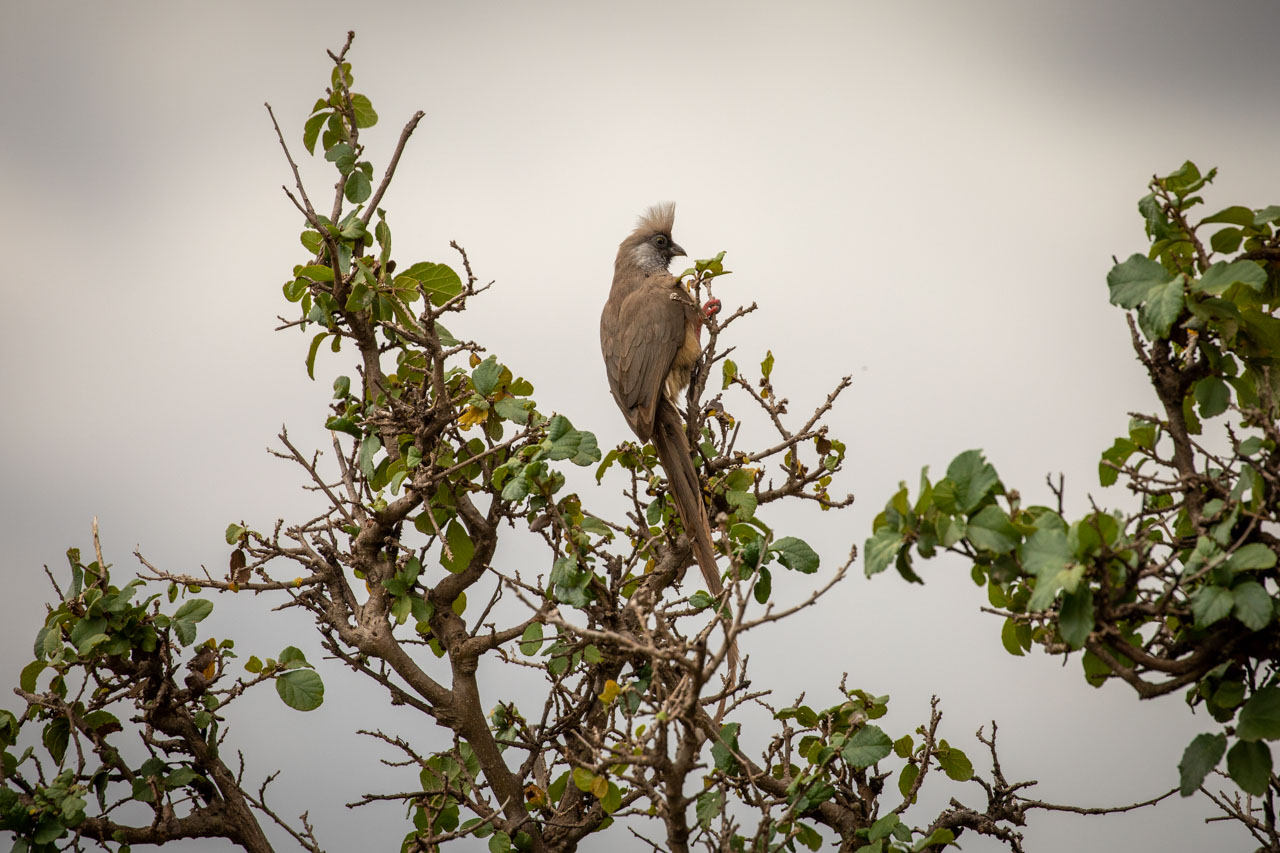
1186,178
973,477
710,806
1255,555
766,366
88,644
1131,281
56,736
461,546
357,189
301,689
517,488
883,827
1011,637
1046,551
1142,433
500,842
365,114
352,228
583,779
234,533
954,763
1226,240
991,530
1267,215
180,777
728,370
531,639
291,657
1253,606
868,745
1117,454
486,375
186,631
907,779
1162,307
1212,396
938,836
369,447
142,790
514,409
578,446
1235,215
611,801
311,354
881,550
1096,670
311,130
1076,618
743,503
1260,717
194,610
30,674
317,272
1202,755
1211,603
1250,445
439,281
343,156
1220,276
763,587
721,754
796,554
1158,226
294,290
1249,765
808,836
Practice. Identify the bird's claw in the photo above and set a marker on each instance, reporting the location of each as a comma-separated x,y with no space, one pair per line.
711,308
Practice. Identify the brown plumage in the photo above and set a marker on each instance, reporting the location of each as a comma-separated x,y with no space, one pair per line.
649,334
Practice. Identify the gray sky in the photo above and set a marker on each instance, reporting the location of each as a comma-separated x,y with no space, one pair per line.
923,195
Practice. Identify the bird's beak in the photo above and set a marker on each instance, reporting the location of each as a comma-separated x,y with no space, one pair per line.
677,251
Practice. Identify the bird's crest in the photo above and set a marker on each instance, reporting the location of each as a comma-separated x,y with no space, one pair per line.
658,219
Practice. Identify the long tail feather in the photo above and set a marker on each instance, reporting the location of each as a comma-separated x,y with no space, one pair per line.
682,478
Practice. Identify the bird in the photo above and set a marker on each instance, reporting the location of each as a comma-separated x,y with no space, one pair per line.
650,336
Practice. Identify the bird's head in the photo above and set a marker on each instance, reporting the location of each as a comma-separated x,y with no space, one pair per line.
650,247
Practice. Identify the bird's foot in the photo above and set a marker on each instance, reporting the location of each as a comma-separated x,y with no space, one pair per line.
711,308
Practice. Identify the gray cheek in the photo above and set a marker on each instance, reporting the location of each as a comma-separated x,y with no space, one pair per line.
647,257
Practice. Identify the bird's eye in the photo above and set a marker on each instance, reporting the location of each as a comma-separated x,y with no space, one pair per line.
660,240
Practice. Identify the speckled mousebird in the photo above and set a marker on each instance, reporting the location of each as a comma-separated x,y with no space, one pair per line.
650,333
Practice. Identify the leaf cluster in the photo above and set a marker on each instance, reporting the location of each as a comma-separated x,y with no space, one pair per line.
1181,590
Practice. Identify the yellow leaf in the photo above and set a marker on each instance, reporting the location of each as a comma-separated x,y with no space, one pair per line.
298,582
211,670
534,797
599,787
475,360
472,416
610,692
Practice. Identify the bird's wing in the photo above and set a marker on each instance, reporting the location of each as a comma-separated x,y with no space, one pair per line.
640,347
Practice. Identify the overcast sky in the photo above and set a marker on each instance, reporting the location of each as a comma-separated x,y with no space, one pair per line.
925,196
